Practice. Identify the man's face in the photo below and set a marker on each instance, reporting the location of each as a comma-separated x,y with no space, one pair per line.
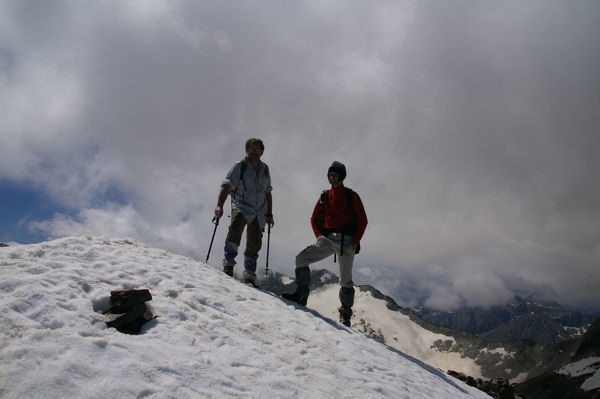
333,178
254,152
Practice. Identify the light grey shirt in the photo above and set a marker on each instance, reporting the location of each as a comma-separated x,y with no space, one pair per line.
248,192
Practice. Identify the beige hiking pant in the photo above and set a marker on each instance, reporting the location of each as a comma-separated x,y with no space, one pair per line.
326,246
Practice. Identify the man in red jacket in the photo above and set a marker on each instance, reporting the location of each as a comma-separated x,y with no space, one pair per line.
338,221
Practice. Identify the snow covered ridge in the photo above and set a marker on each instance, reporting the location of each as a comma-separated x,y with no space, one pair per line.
397,329
380,317
213,337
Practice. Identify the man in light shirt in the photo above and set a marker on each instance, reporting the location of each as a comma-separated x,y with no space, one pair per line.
249,183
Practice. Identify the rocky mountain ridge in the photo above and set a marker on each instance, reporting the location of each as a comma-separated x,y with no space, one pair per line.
543,322
576,378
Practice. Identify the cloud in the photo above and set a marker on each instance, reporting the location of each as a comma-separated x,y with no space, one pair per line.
468,129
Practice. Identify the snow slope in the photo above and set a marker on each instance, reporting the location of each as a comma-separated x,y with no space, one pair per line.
399,331
214,337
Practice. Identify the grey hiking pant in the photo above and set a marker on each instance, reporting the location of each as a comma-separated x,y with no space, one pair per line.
327,246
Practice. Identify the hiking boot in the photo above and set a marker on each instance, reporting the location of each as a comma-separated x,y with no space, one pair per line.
345,315
345,321
228,269
249,278
299,297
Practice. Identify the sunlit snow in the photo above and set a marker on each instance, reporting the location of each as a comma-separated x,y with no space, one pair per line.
213,336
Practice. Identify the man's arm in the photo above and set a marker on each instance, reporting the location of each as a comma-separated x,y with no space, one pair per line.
361,217
225,189
315,219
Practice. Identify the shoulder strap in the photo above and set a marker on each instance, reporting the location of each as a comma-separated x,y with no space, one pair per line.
323,200
243,167
349,208
242,170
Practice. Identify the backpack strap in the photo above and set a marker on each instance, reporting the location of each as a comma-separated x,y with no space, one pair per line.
242,170
323,200
347,211
349,208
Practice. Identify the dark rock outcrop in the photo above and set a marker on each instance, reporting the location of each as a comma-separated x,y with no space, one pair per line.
128,311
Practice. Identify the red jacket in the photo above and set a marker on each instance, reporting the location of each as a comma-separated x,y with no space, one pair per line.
335,217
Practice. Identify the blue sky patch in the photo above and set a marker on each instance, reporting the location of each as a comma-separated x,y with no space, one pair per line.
21,205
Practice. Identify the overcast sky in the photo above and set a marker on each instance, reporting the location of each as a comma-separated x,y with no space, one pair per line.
470,129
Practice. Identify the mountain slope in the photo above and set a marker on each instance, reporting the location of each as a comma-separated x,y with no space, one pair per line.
394,328
442,347
542,322
570,368
577,378
213,337
378,316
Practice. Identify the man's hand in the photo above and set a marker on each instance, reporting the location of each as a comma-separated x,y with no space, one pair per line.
225,189
271,221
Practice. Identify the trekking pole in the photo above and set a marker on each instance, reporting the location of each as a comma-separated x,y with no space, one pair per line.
216,223
268,244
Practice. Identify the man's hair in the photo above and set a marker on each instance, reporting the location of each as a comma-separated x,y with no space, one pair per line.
253,141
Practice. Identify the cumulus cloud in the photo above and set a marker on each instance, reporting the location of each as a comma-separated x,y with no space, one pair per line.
468,129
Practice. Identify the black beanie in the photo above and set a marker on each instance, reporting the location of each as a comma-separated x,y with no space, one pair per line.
339,168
